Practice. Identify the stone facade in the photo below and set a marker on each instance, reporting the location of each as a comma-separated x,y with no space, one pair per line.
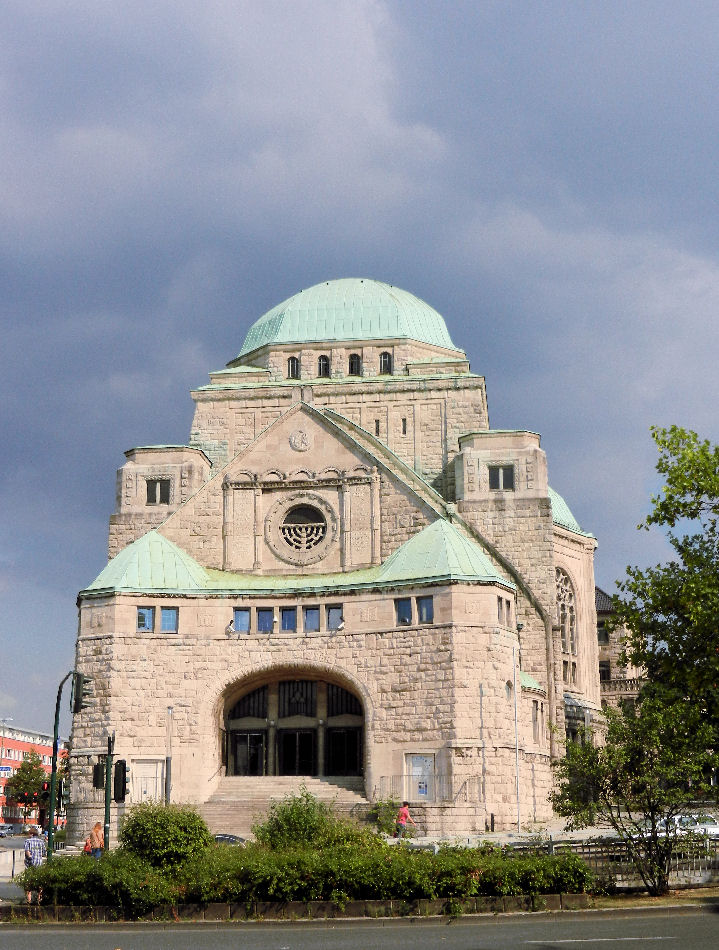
407,607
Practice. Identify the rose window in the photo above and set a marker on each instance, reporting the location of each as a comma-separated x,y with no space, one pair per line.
304,528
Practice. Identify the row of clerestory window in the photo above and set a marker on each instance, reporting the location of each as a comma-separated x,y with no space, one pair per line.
286,619
354,366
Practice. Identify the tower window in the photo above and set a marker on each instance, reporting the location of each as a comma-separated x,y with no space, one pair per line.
501,477
169,617
403,611
323,367
158,491
355,365
605,671
376,427
146,618
404,426
293,368
385,364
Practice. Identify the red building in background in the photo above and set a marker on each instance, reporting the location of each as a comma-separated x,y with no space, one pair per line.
16,745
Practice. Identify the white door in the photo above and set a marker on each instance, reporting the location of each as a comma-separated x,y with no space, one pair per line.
148,780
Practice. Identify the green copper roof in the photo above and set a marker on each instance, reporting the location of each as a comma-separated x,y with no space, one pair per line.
440,553
151,563
349,309
562,516
528,682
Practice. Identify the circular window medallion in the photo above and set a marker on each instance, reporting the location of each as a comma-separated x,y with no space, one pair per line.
303,528
300,528
300,440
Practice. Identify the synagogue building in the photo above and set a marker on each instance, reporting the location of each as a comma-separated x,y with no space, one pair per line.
345,579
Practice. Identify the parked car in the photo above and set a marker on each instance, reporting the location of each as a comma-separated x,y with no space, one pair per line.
6,831
706,825
229,839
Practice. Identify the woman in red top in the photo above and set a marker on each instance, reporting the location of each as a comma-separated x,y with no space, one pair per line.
403,816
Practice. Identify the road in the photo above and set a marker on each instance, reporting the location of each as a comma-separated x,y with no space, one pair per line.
688,930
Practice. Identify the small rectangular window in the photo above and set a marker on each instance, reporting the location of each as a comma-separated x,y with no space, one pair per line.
265,618
565,671
169,617
508,612
376,427
425,609
334,617
500,610
535,720
605,671
289,619
501,477
602,632
242,620
311,619
145,618
158,491
403,611
404,426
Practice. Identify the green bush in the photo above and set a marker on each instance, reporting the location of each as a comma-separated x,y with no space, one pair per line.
383,812
164,835
302,819
120,880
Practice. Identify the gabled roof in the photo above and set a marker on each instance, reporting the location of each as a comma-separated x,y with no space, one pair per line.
562,516
438,554
440,551
152,563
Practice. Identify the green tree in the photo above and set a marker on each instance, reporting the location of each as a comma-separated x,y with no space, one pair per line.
655,764
165,835
671,611
24,786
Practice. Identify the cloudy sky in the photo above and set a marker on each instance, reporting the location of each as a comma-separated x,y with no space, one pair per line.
543,174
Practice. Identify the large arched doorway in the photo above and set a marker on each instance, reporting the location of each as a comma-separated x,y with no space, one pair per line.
294,727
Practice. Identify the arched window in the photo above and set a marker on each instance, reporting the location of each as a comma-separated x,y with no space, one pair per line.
323,367
385,364
566,611
293,368
355,367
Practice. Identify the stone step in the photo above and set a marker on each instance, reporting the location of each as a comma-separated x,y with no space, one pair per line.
241,801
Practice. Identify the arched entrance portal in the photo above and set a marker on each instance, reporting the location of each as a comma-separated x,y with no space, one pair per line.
294,727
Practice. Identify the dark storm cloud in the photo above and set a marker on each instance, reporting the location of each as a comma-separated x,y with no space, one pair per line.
542,174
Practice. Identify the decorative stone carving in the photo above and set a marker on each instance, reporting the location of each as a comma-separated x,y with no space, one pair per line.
301,540
300,440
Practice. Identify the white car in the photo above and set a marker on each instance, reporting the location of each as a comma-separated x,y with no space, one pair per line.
706,825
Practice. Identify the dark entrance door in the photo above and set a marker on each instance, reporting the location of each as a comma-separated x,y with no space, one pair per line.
344,751
296,748
249,753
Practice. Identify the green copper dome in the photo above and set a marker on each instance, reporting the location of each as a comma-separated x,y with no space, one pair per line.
349,309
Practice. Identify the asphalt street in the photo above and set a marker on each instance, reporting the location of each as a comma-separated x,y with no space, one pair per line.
685,930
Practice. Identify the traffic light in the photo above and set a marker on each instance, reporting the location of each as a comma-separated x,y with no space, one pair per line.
81,692
98,775
120,780
45,792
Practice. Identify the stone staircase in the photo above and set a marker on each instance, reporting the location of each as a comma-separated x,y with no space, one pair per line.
241,801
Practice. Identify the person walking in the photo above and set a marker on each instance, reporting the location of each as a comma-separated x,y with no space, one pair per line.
35,852
97,841
403,816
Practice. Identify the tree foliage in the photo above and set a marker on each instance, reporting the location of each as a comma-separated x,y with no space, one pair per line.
656,763
24,786
671,611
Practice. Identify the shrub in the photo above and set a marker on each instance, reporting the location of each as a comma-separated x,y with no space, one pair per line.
383,812
120,880
164,835
300,820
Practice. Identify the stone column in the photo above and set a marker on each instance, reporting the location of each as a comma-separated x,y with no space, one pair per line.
375,517
321,726
345,515
258,529
273,708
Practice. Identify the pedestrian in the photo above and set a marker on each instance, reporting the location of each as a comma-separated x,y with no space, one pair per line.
403,816
35,852
97,841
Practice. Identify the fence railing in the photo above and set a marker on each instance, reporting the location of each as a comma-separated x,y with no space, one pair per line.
695,860
437,787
